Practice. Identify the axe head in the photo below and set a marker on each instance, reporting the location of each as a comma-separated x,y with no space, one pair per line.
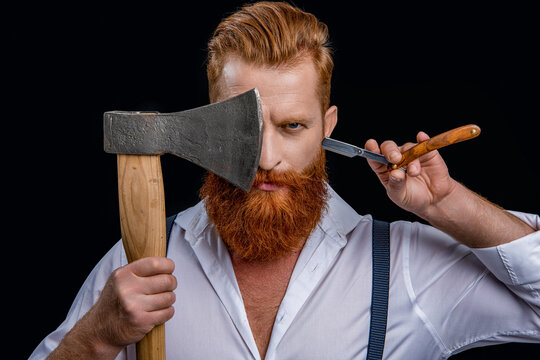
224,138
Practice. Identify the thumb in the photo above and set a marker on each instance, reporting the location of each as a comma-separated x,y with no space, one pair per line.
396,184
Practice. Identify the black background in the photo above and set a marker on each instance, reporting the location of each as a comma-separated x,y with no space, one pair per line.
399,68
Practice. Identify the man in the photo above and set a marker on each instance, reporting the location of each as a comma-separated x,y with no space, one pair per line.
284,272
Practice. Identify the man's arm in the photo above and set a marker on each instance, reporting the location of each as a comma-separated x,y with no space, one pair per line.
428,191
474,221
83,341
135,298
468,301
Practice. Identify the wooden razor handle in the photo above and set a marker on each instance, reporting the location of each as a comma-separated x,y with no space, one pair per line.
454,136
142,220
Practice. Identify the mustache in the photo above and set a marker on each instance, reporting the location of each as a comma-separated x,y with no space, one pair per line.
287,178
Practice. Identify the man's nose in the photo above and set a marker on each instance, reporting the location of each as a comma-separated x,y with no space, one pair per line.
270,153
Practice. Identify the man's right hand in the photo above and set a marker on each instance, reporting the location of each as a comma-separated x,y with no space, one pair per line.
135,298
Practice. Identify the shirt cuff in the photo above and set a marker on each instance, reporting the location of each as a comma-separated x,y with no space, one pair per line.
516,262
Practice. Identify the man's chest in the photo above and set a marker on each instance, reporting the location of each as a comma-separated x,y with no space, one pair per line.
324,313
321,311
263,287
332,323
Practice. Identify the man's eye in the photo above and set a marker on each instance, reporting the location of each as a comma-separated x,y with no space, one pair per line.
293,125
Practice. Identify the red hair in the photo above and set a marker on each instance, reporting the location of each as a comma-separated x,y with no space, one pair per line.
271,34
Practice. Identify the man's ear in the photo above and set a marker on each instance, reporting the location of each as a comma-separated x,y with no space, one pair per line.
330,120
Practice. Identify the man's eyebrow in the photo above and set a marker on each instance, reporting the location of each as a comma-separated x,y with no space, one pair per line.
294,119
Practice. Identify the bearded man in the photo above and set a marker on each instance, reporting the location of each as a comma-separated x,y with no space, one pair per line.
284,271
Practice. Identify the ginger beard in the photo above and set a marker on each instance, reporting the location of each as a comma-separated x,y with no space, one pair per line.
267,225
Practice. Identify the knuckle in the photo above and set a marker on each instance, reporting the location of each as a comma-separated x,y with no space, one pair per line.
123,293
162,283
162,264
165,283
120,290
171,298
172,282
154,262
171,264
130,307
385,144
164,300
170,312
121,276
168,281
165,315
391,143
117,275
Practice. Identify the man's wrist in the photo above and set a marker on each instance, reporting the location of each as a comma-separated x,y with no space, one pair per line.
448,210
84,341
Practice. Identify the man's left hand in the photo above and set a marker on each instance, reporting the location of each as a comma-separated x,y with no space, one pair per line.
425,183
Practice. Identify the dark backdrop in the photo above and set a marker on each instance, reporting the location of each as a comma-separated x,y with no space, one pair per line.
399,68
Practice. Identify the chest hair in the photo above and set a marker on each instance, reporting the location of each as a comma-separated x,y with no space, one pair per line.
263,286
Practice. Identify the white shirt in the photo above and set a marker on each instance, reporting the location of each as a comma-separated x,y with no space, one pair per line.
444,297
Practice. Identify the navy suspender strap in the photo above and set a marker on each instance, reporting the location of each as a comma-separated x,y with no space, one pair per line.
379,291
169,222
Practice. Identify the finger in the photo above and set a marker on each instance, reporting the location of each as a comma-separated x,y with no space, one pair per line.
414,168
159,283
398,175
150,266
422,136
407,146
397,180
373,146
161,316
391,151
159,301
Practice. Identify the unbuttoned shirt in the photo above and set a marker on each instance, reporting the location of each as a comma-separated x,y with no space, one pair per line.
444,297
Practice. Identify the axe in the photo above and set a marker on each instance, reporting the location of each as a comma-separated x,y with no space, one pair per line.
224,138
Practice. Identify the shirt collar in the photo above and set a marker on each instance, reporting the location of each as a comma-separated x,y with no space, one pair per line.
337,221
340,218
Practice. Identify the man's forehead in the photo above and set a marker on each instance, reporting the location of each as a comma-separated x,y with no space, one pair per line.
239,76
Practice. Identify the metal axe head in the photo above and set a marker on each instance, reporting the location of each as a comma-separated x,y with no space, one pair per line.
224,137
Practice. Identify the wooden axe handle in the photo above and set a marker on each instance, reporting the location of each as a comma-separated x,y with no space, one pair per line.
450,137
142,220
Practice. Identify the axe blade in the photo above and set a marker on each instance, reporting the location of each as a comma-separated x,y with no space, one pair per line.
224,137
